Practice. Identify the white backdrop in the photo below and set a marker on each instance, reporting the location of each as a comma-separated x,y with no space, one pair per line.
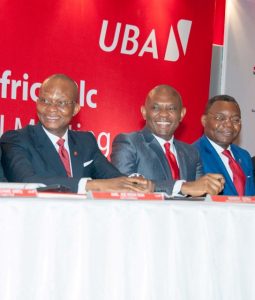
238,78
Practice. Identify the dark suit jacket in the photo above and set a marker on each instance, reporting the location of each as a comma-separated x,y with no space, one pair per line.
212,163
139,152
30,156
2,178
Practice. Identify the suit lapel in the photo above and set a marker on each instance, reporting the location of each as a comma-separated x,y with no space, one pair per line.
47,150
181,160
219,165
238,158
75,155
153,144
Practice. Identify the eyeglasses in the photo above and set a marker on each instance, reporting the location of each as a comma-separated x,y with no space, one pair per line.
59,104
235,120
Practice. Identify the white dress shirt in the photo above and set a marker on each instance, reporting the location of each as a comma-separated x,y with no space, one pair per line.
178,184
54,139
223,157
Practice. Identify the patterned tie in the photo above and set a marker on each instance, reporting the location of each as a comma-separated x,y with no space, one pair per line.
238,174
64,156
172,162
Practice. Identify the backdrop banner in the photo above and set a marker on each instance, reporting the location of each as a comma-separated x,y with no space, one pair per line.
116,51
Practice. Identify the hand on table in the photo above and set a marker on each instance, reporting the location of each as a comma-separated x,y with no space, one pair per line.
121,184
211,184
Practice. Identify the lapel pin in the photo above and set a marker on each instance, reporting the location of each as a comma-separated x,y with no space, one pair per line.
75,153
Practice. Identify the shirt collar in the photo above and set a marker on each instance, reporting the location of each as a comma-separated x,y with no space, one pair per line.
55,138
162,141
218,148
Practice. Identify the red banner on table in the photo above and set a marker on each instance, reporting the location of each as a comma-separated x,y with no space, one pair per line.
126,196
233,199
10,192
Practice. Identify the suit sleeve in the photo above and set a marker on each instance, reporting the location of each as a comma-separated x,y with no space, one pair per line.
129,156
2,178
22,163
18,166
199,166
126,158
124,155
247,166
102,168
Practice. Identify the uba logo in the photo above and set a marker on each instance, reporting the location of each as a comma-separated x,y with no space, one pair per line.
130,44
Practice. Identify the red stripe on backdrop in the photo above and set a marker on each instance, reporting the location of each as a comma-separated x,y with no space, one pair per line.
219,22
115,50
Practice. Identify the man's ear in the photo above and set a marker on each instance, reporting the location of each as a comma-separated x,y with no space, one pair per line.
183,113
143,111
76,109
203,120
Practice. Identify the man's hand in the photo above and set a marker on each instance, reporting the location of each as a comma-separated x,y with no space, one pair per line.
211,184
121,184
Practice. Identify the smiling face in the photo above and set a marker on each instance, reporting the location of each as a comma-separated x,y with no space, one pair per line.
222,123
163,111
55,91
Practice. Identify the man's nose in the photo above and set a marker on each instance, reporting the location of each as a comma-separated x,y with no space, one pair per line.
53,106
228,122
163,112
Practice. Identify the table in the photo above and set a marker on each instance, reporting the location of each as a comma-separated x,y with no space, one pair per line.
126,250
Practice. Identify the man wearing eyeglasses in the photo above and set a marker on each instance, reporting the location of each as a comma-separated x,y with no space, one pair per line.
50,153
222,125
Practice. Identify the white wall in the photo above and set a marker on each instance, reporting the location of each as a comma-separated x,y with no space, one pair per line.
238,78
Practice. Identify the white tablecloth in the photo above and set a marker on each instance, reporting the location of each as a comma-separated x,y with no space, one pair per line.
126,250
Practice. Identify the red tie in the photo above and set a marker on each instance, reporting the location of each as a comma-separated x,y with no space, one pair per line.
238,174
172,162
64,156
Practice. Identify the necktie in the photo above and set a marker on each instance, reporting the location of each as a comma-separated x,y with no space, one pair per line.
64,156
172,162
238,174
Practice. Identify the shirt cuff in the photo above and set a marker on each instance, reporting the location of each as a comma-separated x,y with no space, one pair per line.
82,185
136,175
177,188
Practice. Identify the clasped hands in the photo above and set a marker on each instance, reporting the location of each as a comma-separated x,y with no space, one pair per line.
122,184
211,184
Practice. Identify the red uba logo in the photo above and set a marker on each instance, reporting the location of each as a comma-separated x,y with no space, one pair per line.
130,44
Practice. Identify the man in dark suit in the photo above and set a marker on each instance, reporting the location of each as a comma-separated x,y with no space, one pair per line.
2,178
144,152
50,153
222,125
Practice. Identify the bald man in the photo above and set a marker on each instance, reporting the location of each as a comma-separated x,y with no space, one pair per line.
147,152
50,153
